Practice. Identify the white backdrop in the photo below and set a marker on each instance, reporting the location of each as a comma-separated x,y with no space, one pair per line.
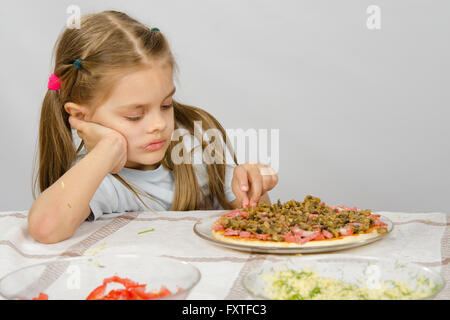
362,114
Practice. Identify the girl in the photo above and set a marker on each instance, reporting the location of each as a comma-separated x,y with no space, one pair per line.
113,85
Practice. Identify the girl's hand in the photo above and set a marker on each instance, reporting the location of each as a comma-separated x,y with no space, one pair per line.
251,181
92,133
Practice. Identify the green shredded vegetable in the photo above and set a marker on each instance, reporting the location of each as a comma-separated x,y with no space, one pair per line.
306,284
152,229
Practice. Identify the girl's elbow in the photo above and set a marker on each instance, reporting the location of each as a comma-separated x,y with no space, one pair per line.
41,232
45,231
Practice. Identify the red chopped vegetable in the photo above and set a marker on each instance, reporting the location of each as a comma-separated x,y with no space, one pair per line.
42,296
132,291
97,293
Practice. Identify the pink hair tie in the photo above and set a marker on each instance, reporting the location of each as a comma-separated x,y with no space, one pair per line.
53,82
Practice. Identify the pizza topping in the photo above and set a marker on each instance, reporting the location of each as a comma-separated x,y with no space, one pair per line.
231,232
377,222
244,234
233,213
289,237
262,236
382,230
355,224
298,222
346,231
217,227
327,234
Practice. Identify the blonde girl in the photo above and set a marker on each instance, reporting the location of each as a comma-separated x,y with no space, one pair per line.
112,86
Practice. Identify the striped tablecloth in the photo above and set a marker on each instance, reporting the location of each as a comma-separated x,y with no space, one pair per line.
422,238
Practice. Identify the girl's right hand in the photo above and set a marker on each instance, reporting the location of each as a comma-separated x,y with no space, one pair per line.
92,133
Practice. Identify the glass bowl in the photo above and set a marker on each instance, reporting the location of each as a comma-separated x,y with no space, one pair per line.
370,272
76,278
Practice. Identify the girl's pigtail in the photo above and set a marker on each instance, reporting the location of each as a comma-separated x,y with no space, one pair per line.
56,150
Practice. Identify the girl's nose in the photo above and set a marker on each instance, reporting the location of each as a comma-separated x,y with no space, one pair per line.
156,122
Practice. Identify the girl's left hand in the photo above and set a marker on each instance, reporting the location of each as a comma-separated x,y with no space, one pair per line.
251,181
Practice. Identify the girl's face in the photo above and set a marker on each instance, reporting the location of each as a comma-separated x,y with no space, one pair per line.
140,108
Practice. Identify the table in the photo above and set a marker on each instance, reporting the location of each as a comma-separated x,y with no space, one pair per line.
422,238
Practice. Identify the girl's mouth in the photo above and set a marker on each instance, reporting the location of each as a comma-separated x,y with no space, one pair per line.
155,145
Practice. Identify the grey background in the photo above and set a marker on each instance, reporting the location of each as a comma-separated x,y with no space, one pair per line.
363,114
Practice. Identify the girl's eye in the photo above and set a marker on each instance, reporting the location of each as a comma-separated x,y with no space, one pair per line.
168,106
133,118
139,117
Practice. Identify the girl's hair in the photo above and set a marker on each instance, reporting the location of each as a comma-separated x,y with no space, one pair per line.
111,43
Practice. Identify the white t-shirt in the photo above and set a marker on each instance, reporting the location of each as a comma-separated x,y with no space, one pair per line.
113,197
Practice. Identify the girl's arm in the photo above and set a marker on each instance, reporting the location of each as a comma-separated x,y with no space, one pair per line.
62,207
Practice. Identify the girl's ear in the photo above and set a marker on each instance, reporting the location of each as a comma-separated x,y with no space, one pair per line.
76,110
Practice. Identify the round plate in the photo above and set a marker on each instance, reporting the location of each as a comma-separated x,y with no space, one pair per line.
358,270
203,229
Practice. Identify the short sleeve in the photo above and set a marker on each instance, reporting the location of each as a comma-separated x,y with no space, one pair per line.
229,171
105,199
113,197
193,144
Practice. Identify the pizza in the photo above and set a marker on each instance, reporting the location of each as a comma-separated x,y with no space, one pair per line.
297,224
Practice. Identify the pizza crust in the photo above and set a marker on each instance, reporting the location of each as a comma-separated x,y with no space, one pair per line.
276,244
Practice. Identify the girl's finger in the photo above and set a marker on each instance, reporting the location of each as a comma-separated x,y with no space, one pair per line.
241,197
75,123
240,187
269,176
242,178
256,182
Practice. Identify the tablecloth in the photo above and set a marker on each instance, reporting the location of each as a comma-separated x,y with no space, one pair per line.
422,238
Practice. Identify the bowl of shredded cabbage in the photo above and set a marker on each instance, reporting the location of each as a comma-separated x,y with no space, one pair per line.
342,277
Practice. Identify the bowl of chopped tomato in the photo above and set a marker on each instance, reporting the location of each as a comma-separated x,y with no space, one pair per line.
135,276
